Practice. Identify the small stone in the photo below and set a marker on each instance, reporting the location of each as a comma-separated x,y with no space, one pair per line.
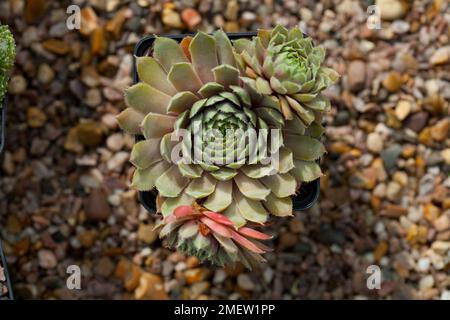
194,275
191,17
90,133
93,97
72,143
440,56
417,121
117,161
115,142
171,18
109,120
231,26
441,247
232,10
146,233
89,21
356,75
401,177
442,223
35,117
403,109
56,46
374,142
104,267
426,282
96,206
393,190
423,265
47,259
400,26
34,10
151,287
219,276
439,131
392,9
45,74
393,81
446,155
198,289
380,250
17,84
431,212
98,41
445,295
245,282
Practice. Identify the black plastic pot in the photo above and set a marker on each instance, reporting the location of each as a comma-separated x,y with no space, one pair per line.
309,192
5,269
2,124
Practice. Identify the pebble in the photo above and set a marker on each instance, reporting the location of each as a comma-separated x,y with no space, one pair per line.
35,117
440,130
191,17
440,56
423,265
392,9
393,81
93,97
45,74
172,19
426,282
356,75
17,84
96,206
374,142
245,282
393,190
117,161
445,295
115,142
442,223
403,109
147,234
47,259
400,26
232,10
417,121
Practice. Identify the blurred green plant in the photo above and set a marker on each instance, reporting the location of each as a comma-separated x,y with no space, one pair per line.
7,57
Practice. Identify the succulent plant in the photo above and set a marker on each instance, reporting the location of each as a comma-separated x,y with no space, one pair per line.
212,186
286,66
7,57
211,236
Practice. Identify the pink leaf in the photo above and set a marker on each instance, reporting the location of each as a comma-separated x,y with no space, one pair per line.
217,217
216,227
246,243
183,211
254,234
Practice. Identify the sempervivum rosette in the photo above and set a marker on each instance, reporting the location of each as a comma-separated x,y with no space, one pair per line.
286,66
212,236
211,185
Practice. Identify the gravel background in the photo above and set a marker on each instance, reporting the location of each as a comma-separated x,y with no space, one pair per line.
385,198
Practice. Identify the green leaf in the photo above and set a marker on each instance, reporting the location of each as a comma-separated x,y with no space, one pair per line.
304,147
181,101
251,210
226,75
184,78
144,179
145,99
204,56
201,187
168,52
130,121
170,204
221,198
282,185
306,171
157,125
153,74
145,153
280,207
171,183
251,188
